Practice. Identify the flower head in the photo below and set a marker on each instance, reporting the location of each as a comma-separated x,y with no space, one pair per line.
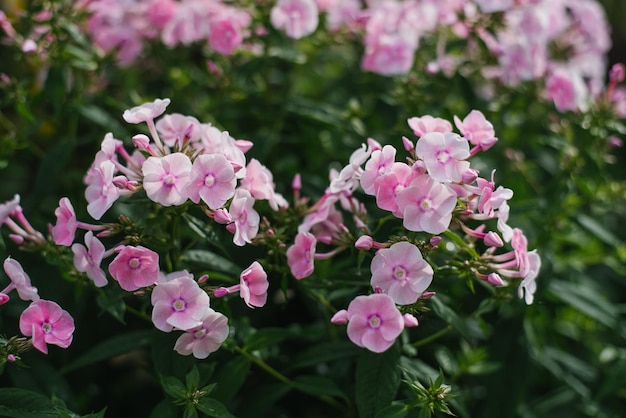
254,285
443,155
212,180
167,178
179,303
205,338
47,323
19,280
65,228
145,112
301,255
297,18
135,267
87,259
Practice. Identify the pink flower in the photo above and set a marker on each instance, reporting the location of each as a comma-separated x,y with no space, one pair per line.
179,303
135,267
388,186
166,178
301,255
566,88
174,128
212,180
227,27
427,123
47,323
101,193
297,18
390,54
87,259
378,165
205,338
528,286
374,322
20,281
259,181
442,154
7,208
146,111
65,229
254,285
426,205
246,219
401,272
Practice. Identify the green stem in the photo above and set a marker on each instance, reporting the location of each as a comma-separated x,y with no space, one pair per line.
433,337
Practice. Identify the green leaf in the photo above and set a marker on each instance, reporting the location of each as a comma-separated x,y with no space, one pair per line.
447,314
113,304
173,387
21,403
100,414
319,386
192,379
377,380
112,347
230,378
209,260
213,408
165,409
597,229
396,410
190,412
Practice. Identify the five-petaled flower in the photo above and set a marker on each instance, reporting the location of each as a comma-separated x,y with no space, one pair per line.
179,303
135,267
47,323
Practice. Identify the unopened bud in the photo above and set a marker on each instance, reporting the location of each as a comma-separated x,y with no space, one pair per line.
364,242
243,145
141,141
469,176
409,320
4,298
408,145
203,278
617,73
495,279
220,292
296,183
12,358
221,216
18,239
493,240
373,144
434,241
340,317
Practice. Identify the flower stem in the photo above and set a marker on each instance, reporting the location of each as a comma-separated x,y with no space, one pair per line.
432,337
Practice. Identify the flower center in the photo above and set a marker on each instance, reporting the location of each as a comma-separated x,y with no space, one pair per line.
443,157
425,204
168,180
243,217
46,327
209,180
399,273
179,305
134,263
200,334
374,321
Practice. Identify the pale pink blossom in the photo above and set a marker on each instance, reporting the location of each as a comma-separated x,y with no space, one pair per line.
389,55
20,281
189,23
259,181
87,259
378,165
146,112
566,88
212,180
64,230
205,338
135,267
174,128
252,287
179,303
47,323
167,178
444,155
298,18
477,129
101,193
246,219
301,255
426,205
387,187
427,123
401,272
227,27
528,286
374,322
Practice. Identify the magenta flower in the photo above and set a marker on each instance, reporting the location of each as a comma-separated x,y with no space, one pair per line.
401,272
426,205
378,165
87,259
146,111
19,281
443,155
301,255
477,129
374,322
135,267
246,219
101,193
166,178
212,180
179,303
259,181
254,285
65,229
205,338
227,29
387,187
47,323
297,18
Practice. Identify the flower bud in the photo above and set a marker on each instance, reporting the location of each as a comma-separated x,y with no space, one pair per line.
364,242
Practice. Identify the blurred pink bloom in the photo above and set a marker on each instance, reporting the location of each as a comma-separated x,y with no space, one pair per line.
65,229
389,55
443,155
135,267
101,193
426,205
205,338
87,259
254,285
190,23
20,281
477,129
374,322
297,18
179,303
167,178
427,123
227,29
7,208
259,181
47,323
301,255
401,272
145,112
212,180
246,219
159,12
378,165
566,88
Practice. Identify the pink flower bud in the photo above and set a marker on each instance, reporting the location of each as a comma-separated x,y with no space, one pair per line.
141,142
296,183
409,320
340,317
18,239
243,145
615,141
203,278
427,295
11,358
221,216
364,242
4,298
373,144
495,279
408,145
469,176
492,239
617,72
220,292
434,241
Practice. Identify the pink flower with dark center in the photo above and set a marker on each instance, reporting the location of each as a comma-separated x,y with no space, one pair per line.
443,155
179,303
301,255
374,322
135,267
167,178
87,259
205,338
20,281
47,323
212,180
297,18
246,219
101,193
427,123
65,229
401,272
426,205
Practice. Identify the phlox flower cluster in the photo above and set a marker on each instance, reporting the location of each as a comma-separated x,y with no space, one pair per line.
433,191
